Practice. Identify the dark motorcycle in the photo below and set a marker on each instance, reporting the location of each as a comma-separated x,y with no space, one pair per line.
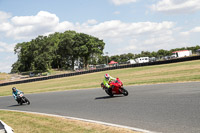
22,99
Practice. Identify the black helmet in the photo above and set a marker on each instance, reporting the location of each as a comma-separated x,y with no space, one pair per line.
14,89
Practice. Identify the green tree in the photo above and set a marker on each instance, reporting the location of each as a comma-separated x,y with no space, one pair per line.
66,50
115,58
87,47
163,52
130,56
24,57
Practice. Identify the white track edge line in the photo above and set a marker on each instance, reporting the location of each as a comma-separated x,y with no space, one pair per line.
86,120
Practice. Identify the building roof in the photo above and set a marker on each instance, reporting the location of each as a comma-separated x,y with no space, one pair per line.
179,51
113,62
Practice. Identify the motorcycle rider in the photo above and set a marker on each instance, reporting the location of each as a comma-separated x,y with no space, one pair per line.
107,80
15,94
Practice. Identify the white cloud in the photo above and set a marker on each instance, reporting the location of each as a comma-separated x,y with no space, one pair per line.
114,32
132,45
89,22
136,36
42,17
44,23
150,42
92,21
4,16
63,26
119,36
4,21
117,12
176,6
24,27
7,57
6,47
118,29
194,30
6,66
5,26
120,2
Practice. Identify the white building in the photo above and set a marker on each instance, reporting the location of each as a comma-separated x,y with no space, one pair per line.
142,60
131,61
181,53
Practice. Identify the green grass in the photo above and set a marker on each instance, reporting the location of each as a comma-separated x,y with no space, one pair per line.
31,123
4,76
34,123
167,73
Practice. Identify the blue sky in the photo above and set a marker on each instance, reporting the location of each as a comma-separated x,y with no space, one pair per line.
124,25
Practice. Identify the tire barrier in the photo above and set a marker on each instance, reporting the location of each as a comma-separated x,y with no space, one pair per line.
103,69
5,128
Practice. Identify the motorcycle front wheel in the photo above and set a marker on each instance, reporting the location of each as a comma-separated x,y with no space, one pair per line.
27,101
124,91
109,92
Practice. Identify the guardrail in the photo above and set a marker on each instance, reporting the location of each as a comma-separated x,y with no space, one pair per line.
103,69
5,128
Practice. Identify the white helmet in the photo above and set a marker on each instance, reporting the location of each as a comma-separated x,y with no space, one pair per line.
107,76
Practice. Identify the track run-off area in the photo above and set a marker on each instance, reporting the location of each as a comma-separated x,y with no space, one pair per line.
167,108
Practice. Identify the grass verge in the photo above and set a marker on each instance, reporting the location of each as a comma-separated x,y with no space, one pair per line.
4,76
34,123
167,73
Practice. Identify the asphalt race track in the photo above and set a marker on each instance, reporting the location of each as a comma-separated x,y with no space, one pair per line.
167,108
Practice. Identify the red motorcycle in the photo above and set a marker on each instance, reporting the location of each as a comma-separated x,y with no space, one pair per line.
116,88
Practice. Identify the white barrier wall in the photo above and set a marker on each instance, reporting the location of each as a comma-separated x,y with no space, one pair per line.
6,128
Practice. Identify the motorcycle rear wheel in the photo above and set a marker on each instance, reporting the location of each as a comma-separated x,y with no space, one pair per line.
21,101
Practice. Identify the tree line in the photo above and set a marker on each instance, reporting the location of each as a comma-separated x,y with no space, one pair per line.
69,49
123,58
58,50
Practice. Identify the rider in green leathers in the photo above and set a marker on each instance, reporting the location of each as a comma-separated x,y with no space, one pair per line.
107,80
